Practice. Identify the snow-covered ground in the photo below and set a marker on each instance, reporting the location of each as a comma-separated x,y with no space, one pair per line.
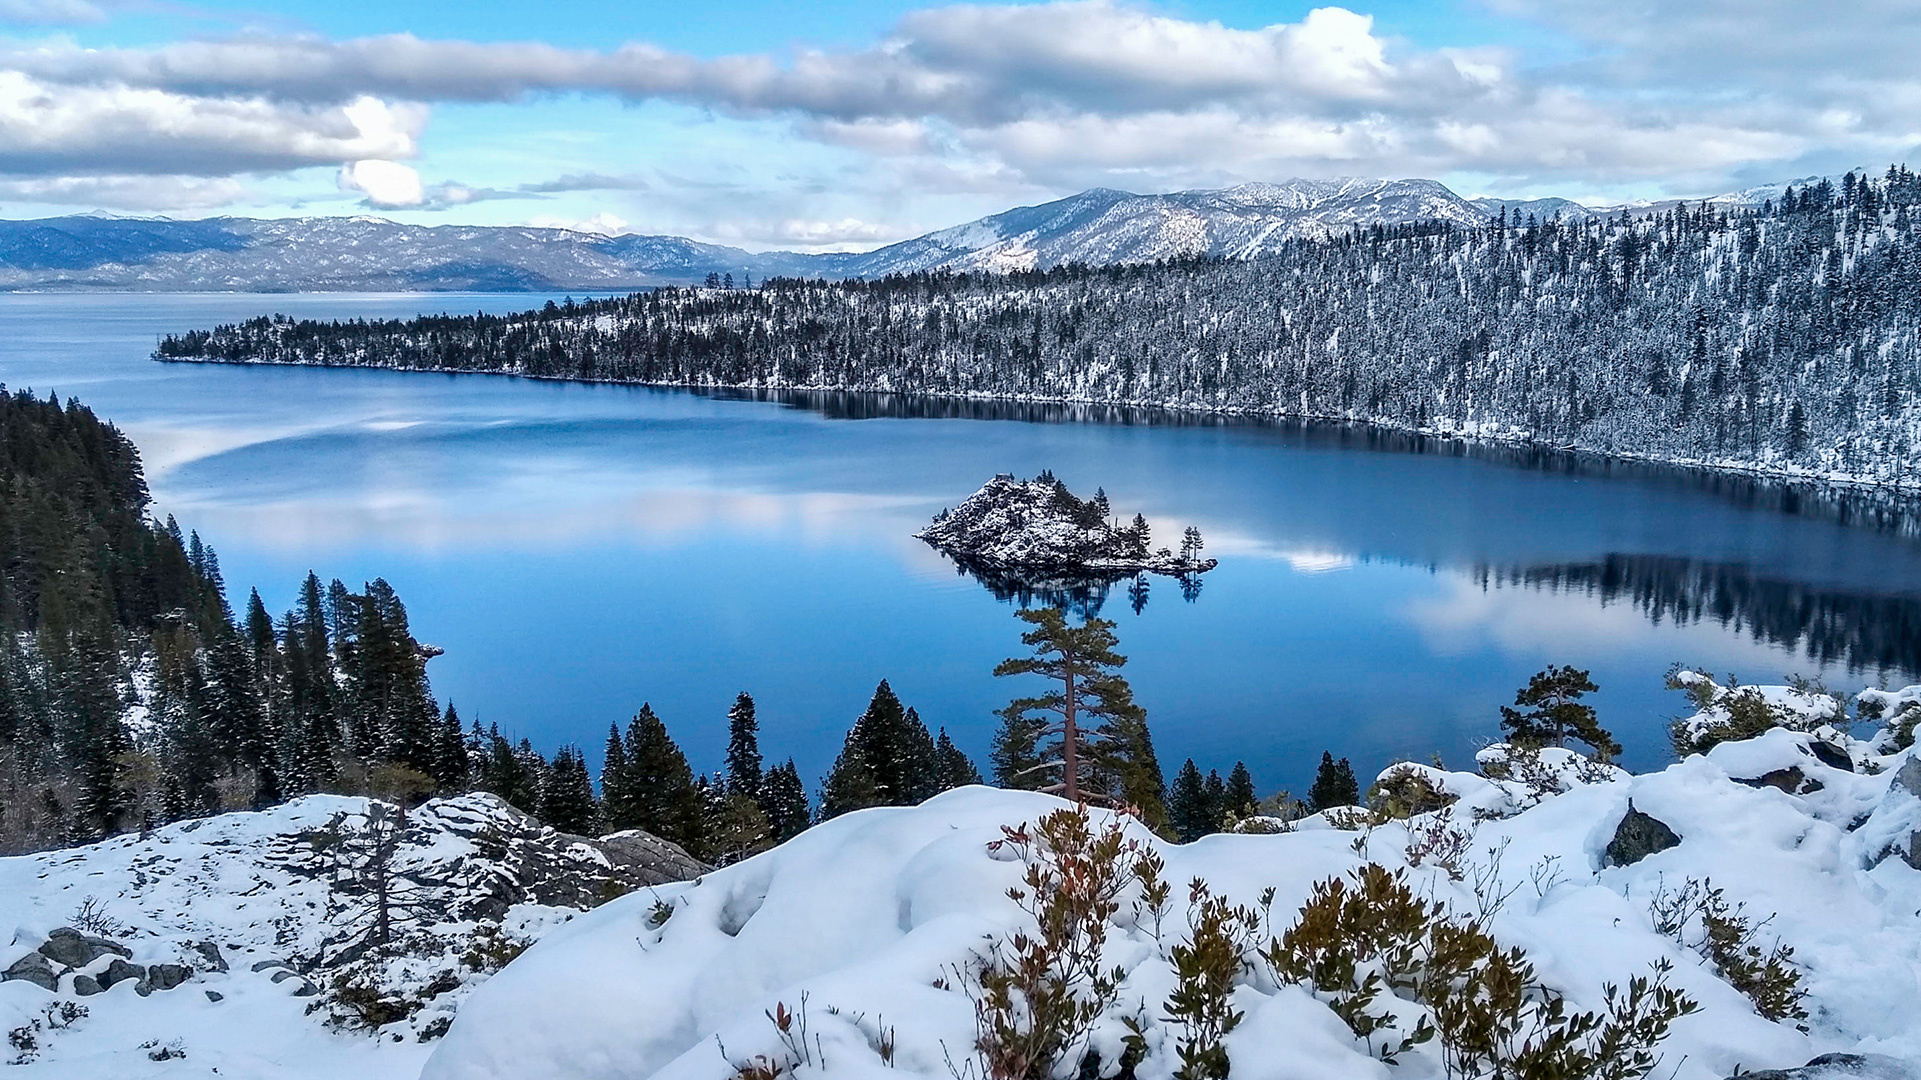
861,921
862,928
258,894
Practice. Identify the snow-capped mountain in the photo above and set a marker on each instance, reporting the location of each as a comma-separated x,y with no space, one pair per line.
1097,227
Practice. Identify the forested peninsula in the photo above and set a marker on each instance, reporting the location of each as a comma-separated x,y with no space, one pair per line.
1779,340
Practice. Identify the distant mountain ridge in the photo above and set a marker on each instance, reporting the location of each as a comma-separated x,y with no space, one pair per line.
1101,226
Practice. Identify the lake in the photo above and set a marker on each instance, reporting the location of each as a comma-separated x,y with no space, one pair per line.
580,549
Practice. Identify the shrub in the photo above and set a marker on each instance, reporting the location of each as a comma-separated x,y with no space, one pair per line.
1037,996
1404,792
1723,936
1483,1004
1208,967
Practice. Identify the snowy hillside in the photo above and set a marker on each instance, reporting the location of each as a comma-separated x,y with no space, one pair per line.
857,949
240,946
1096,227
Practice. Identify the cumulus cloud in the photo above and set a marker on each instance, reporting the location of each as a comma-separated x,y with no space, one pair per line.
604,223
50,129
386,184
1056,95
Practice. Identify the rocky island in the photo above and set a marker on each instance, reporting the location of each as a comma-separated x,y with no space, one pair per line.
1039,527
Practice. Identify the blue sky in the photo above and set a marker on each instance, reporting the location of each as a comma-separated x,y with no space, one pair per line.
836,126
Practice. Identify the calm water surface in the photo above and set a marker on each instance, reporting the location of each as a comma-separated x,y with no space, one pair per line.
580,549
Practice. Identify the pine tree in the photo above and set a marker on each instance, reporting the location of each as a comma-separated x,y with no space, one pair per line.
1187,808
739,829
1090,736
568,803
887,759
616,785
850,784
394,711
452,771
666,802
1015,756
1242,802
743,747
1216,790
788,814
1334,784
952,768
1554,712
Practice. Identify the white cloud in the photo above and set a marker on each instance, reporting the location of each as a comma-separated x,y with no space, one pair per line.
50,12
604,223
388,185
143,193
1072,93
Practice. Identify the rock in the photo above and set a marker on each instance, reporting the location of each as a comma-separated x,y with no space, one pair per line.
215,995
34,968
1912,856
305,989
1638,836
283,975
86,986
168,976
211,954
1909,778
1831,755
1840,1067
1790,780
262,965
71,948
120,971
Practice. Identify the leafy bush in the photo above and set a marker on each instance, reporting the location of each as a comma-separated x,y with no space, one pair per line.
1037,996
1483,1004
1699,916
1208,966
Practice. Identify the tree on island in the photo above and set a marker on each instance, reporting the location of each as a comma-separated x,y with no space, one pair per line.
1086,741
1334,784
1552,711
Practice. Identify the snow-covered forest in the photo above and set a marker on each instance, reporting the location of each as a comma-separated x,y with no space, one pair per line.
1781,339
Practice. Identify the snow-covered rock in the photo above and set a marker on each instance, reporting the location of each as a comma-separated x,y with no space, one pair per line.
1039,526
236,940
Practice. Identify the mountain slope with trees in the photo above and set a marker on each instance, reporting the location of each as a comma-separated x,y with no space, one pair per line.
1784,339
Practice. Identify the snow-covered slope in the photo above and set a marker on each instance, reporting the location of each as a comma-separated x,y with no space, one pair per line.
262,915
1095,227
861,928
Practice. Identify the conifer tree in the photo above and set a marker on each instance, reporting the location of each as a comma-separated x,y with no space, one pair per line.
1216,790
568,803
1015,755
785,803
1334,784
1242,802
452,771
952,768
743,747
666,802
1554,712
616,785
1187,808
738,829
887,759
1090,737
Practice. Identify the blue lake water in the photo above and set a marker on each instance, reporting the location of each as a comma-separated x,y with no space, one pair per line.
580,549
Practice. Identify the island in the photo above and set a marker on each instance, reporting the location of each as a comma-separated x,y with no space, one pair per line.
1037,526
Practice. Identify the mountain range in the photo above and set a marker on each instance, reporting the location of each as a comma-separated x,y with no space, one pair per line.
1102,226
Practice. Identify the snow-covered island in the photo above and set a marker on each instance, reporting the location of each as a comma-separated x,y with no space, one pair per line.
1039,527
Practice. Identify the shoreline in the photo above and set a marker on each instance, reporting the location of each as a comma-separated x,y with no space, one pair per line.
1906,488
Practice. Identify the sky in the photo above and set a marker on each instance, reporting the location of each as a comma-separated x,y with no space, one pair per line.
776,124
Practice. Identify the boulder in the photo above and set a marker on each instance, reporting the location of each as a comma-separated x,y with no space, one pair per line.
1831,755
1638,836
211,954
1841,1067
71,948
86,986
168,976
34,968
1790,780
215,995
120,971
1909,777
